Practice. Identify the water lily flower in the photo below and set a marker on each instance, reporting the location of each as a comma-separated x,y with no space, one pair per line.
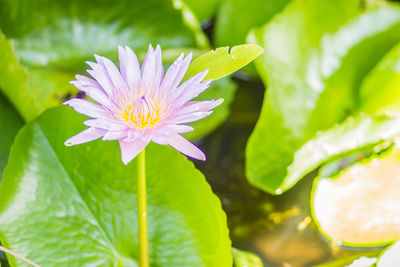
138,105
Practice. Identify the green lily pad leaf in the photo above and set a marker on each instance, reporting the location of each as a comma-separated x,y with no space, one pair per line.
354,134
83,199
10,123
223,88
222,61
314,61
243,258
70,31
380,90
236,18
359,207
59,37
390,257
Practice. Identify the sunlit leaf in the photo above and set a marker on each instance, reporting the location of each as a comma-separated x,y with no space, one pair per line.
359,207
380,90
76,206
224,61
353,134
316,54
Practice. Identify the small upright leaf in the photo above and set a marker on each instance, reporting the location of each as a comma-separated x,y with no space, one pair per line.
76,206
222,61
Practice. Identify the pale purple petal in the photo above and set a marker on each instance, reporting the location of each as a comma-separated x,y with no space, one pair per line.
185,147
148,71
85,136
173,128
105,124
129,66
175,74
129,150
158,73
171,74
198,106
159,138
99,73
113,74
190,117
189,89
92,89
86,108
179,128
111,135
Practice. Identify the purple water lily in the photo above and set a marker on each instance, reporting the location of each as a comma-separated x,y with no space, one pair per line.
138,105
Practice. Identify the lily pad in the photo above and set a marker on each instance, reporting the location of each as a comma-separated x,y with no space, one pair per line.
76,206
313,64
360,206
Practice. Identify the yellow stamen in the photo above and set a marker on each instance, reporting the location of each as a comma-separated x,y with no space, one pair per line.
140,113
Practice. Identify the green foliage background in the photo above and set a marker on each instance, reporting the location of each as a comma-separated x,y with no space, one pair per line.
331,75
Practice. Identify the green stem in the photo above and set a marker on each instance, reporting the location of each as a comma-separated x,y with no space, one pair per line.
142,211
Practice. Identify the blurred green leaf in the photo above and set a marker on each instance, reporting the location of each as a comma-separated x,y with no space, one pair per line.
351,135
243,258
52,39
83,199
236,18
316,54
223,88
59,33
380,91
204,9
10,123
14,82
359,206
224,61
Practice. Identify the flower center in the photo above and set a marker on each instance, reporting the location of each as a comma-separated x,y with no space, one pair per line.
141,113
